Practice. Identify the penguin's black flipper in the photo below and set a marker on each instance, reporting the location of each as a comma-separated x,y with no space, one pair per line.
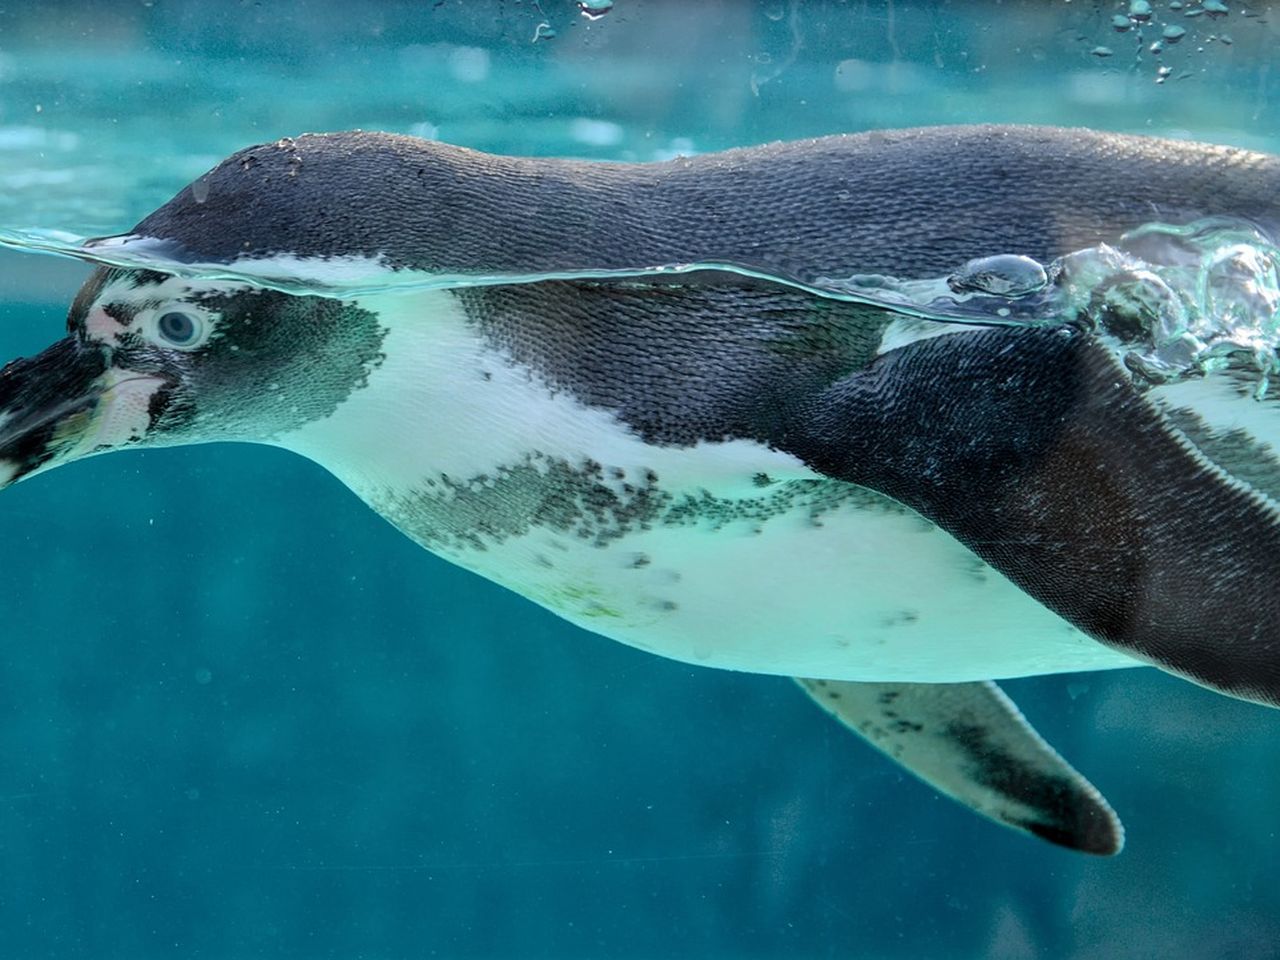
969,741
1032,448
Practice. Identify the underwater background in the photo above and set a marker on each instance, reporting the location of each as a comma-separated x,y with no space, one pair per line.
241,716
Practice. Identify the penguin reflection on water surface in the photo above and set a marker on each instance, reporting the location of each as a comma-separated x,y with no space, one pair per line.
718,467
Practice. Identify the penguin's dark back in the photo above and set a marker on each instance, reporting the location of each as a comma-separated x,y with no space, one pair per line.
907,203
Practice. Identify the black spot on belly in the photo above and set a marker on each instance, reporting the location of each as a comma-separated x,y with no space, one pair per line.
453,514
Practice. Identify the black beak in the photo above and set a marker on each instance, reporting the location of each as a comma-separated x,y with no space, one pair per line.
50,405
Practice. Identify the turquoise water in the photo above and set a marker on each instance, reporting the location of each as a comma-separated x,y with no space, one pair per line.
243,717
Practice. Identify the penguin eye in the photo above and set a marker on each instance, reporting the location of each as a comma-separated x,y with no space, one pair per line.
180,328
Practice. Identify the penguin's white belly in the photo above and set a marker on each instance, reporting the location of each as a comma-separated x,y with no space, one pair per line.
870,594
724,554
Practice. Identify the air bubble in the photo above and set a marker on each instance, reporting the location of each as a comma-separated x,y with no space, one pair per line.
1005,275
1139,11
1175,302
594,9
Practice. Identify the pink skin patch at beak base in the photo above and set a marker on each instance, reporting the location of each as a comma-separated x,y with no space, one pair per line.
123,412
99,326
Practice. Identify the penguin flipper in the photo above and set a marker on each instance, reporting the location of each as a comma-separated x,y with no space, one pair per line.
1032,447
969,741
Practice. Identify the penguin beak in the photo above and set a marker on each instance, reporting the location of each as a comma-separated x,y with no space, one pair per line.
67,403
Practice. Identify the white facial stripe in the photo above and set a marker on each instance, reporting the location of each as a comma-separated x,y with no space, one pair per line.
148,253
151,301
323,271
122,290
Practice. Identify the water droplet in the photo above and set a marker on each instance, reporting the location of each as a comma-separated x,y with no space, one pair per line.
1215,8
1163,74
1101,52
543,31
1172,33
200,190
203,676
594,9
1005,275
1139,11
1120,23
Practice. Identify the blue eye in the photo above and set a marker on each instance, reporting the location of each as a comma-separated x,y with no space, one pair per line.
178,327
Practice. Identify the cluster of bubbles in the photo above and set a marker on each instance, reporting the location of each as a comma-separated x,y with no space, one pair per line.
1174,301
1187,300
1156,30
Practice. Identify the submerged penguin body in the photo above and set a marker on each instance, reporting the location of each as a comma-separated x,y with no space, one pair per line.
719,464
728,553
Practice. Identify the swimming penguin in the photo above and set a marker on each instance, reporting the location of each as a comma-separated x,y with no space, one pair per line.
719,465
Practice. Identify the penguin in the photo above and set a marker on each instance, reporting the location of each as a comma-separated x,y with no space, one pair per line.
714,462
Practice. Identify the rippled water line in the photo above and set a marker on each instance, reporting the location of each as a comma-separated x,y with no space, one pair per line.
1176,301
144,254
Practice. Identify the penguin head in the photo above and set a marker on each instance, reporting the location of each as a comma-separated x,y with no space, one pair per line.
153,359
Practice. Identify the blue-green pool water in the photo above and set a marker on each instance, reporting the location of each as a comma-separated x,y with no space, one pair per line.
241,716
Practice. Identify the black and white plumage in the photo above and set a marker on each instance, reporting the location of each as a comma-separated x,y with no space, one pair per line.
719,466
